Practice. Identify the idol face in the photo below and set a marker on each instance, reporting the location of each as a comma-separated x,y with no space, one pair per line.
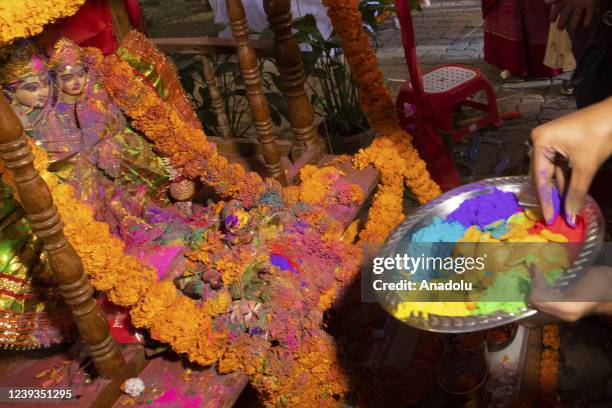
72,80
32,92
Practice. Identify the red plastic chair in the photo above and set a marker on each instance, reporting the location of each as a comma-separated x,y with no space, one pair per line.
426,103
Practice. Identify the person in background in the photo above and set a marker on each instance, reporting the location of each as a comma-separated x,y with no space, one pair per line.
515,35
589,23
584,139
559,55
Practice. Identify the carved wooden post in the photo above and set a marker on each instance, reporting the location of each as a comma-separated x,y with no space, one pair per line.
257,100
65,263
216,102
291,68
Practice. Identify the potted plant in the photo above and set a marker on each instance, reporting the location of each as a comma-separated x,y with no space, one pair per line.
334,94
232,90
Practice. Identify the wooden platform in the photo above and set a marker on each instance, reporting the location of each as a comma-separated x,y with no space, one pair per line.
28,369
170,383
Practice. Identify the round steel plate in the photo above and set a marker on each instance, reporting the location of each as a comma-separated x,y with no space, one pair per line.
447,203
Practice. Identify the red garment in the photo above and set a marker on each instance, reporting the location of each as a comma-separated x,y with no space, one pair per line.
515,35
92,25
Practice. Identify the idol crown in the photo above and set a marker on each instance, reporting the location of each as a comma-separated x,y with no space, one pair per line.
25,60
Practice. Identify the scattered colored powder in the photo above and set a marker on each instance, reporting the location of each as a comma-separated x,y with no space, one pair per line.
283,263
485,209
172,397
161,258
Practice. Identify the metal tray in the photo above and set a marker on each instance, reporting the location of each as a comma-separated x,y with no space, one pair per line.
442,206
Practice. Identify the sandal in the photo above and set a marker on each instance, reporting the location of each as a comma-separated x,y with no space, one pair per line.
508,77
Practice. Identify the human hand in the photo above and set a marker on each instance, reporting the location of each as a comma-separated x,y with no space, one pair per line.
591,294
570,13
584,138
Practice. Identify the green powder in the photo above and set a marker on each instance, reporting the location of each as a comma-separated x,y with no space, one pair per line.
506,293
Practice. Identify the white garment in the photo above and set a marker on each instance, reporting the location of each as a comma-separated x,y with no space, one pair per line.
257,20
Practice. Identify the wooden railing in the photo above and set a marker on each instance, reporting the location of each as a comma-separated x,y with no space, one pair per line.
65,263
306,147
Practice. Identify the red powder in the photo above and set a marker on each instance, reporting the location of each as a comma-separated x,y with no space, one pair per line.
561,227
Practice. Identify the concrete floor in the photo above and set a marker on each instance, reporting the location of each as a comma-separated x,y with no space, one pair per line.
451,32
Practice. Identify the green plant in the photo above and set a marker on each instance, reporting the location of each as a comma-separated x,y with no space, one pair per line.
334,94
233,94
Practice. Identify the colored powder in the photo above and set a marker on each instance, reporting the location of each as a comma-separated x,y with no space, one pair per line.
506,292
439,231
552,276
406,309
172,397
272,198
556,199
497,229
283,263
430,242
485,209
161,258
561,227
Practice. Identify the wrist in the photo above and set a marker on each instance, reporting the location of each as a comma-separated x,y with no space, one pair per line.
604,306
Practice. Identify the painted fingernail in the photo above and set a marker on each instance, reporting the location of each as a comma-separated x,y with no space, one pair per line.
571,220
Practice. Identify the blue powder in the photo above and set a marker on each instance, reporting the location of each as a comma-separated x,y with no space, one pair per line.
272,198
439,231
485,209
437,240
497,229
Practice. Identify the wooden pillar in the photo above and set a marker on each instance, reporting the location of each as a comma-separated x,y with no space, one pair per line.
216,101
291,68
65,263
257,100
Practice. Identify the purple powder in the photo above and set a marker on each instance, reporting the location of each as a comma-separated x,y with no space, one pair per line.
485,209
556,199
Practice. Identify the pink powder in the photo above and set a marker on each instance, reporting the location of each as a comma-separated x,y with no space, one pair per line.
161,259
172,397
485,209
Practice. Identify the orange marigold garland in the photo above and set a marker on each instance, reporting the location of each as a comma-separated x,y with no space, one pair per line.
186,146
155,305
391,152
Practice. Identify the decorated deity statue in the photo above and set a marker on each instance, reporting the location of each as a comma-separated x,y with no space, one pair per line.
91,147
32,312
87,137
25,83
